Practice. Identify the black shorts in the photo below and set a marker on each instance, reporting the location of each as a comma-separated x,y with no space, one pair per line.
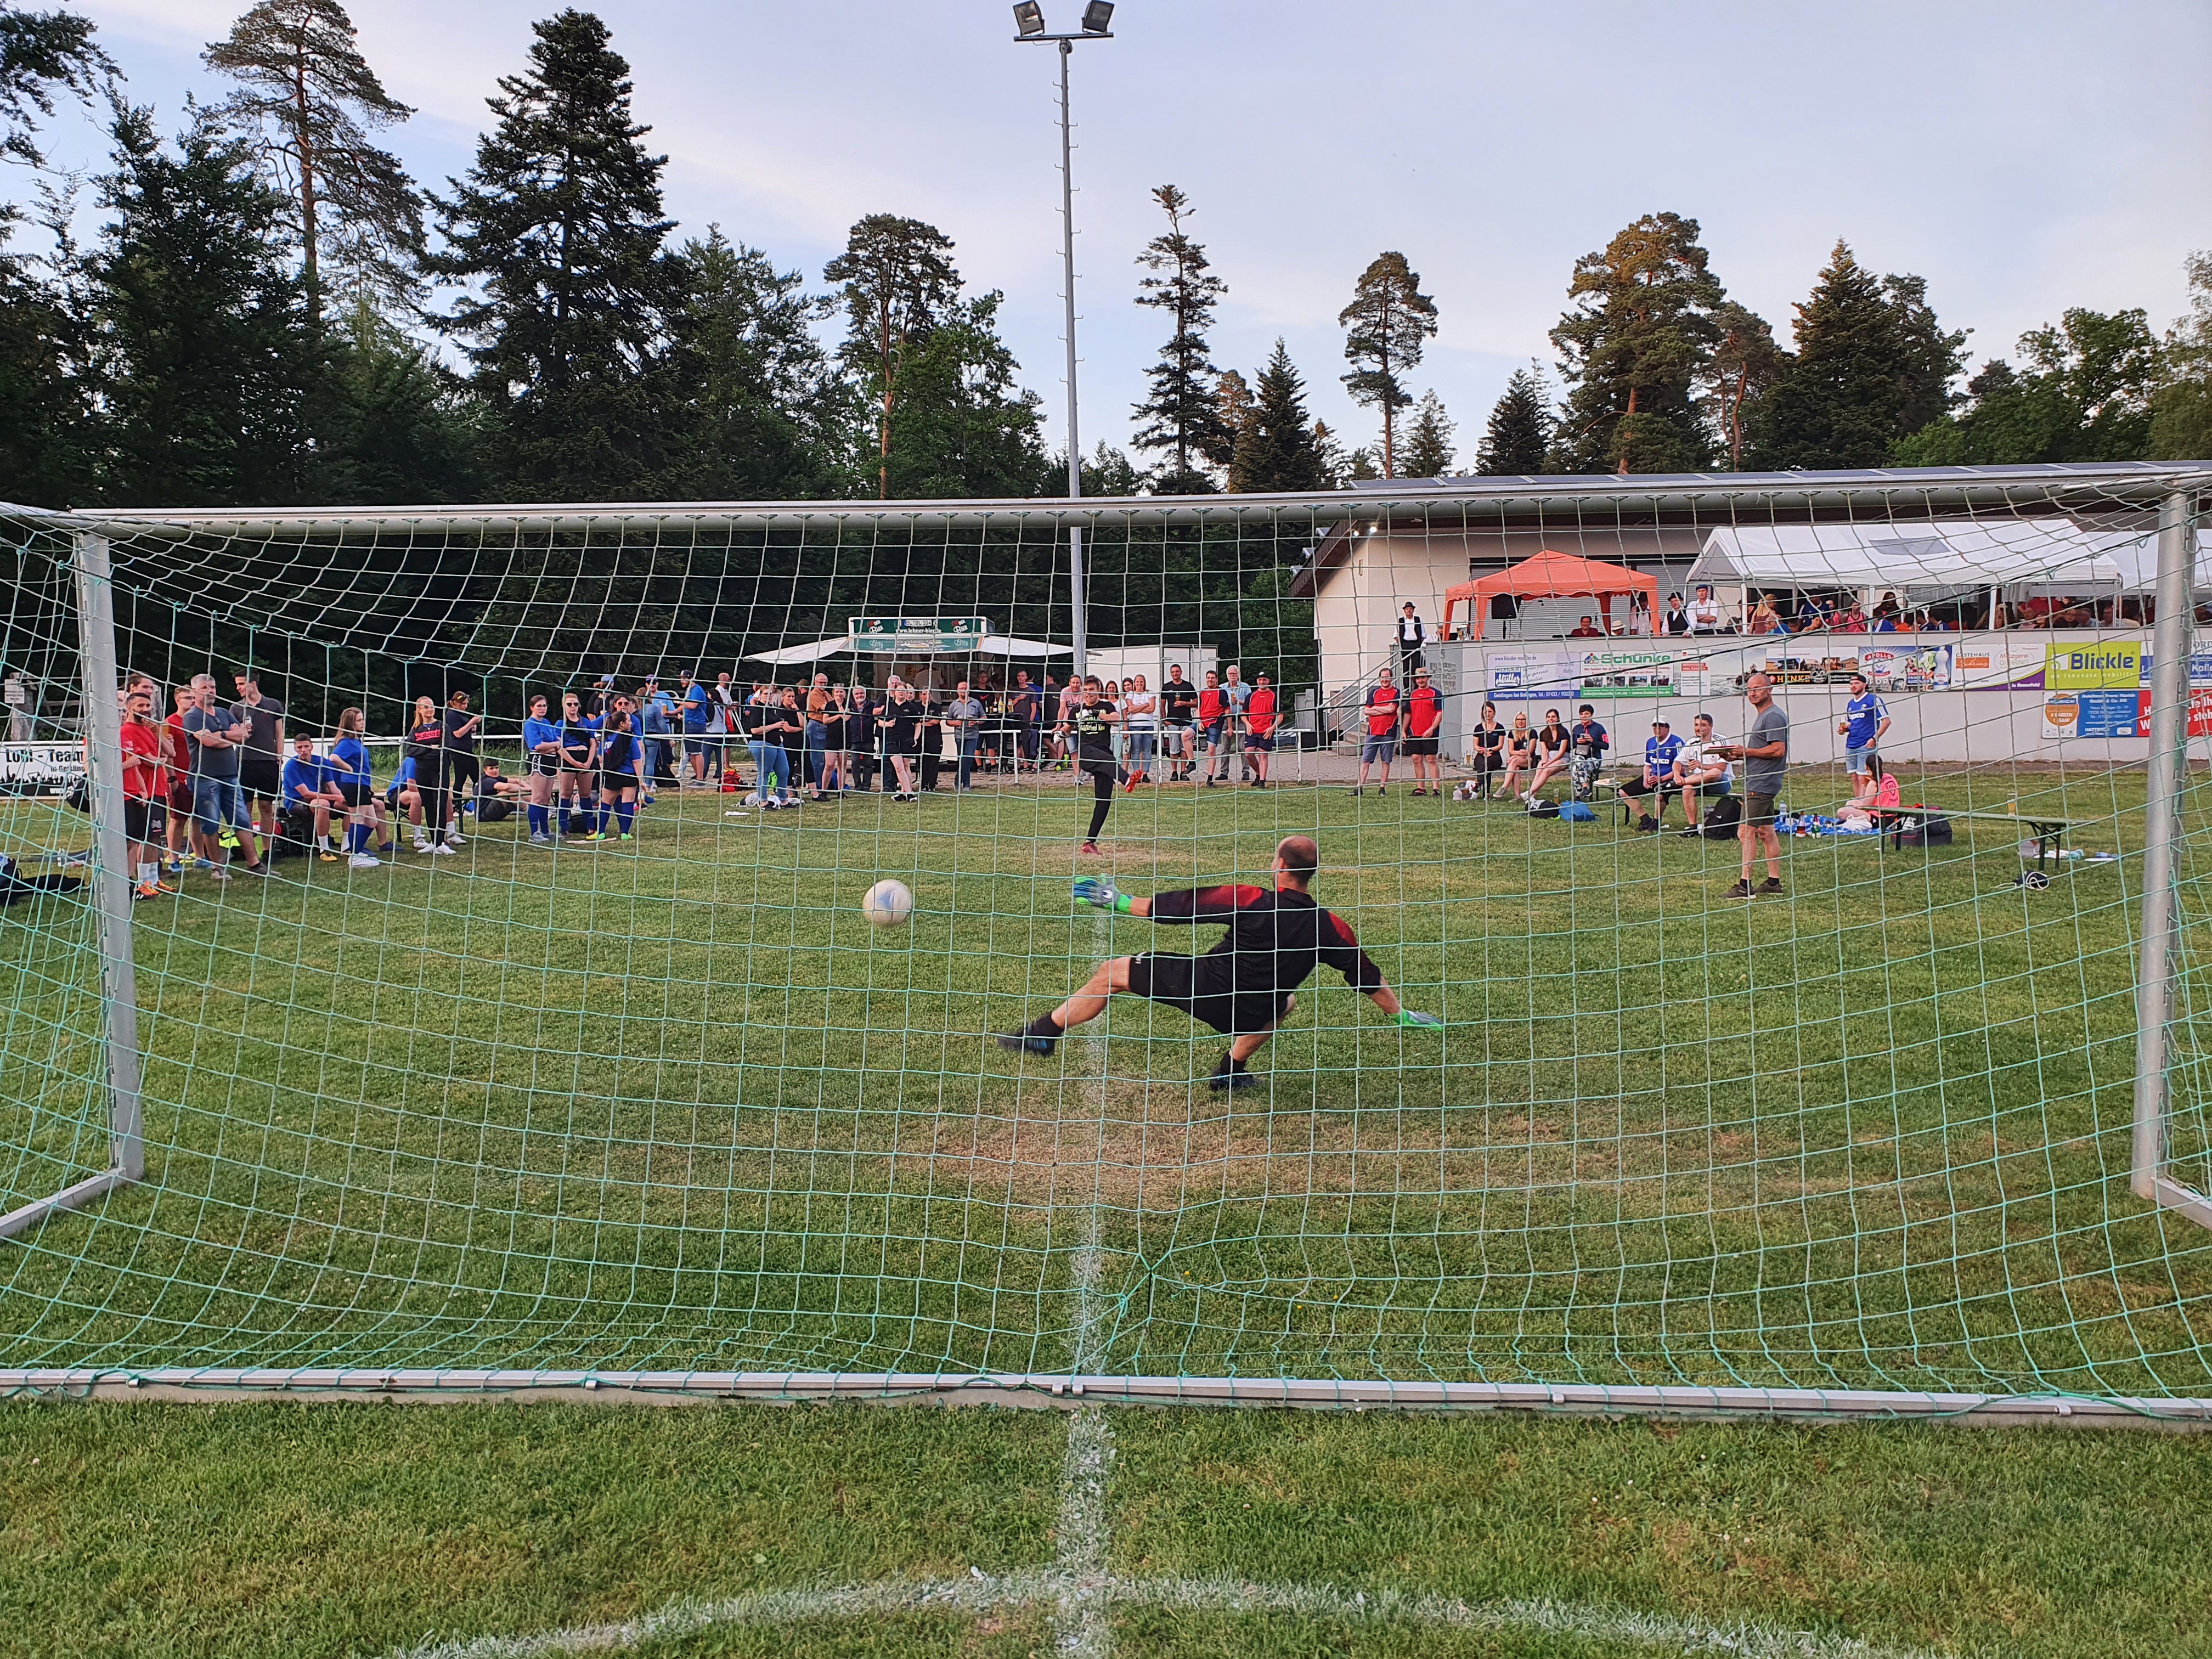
144,821
1259,743
356,794
617,781
1190,984
1418,746
542,766
259,778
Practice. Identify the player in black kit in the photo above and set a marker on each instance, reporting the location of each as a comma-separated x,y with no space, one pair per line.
1091,725
1243,987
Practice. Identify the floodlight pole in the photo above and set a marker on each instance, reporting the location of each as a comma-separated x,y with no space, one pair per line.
1078,604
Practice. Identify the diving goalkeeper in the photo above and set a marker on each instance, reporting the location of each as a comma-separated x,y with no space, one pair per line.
1243,987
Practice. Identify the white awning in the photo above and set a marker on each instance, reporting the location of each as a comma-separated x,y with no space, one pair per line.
1959,554
990,645
814,652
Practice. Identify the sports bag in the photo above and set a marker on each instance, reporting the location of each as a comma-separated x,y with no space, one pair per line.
1577,811
1721,818
1924,829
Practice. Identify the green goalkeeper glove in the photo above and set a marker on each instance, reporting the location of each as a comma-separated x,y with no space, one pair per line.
1100,894
1414,1021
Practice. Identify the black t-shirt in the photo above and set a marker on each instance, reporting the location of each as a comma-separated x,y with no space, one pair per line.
903,716
792,736
424,741
1094,733
832,721
1489,738
1276,938
1552,738
457,741
1178,703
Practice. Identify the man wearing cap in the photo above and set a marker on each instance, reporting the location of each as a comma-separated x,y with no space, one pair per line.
1661,750
1676,619
1412,637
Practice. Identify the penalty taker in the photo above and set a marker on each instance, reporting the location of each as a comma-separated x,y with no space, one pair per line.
1244,986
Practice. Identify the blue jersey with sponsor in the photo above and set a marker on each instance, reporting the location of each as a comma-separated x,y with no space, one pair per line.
312,774
1659,754
1864,715
349,760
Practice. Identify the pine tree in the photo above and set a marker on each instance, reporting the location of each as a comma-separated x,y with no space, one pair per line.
42,52
1746,365
1429,451
899,286
1232,402
391,424
1387,318
1633,348
1869,367
558,228
1334,463
1275,450
961,428
770,419
309,99
1182,409
204,359
1514,442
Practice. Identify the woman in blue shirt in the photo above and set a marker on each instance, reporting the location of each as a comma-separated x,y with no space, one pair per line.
621,767
541,764
579,755
351,772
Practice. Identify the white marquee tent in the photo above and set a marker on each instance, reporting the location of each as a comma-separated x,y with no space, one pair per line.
988,645
2053,554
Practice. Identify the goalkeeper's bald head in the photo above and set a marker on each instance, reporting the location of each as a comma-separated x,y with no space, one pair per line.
1298,857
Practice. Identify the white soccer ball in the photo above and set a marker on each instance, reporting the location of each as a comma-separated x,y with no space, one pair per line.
888,903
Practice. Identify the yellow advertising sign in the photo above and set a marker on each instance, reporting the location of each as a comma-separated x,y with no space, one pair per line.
2113,664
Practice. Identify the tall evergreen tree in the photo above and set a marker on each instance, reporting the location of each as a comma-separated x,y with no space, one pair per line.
1275,449
43,52
310,99
1385,324
1232,403
1870,366
391,424
1745,366
1428,452
559,227
2181,408
898,286
1182,409
203,360
1632,349
1514,442
770,418
45,396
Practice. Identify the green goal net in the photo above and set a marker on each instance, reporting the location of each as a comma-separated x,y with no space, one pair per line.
564,1055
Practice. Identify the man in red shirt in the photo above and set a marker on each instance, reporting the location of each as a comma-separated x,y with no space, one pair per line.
1214,723
145,812
1425,719
1259,730
1380,744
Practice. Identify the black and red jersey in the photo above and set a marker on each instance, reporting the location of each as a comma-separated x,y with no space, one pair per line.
1276,937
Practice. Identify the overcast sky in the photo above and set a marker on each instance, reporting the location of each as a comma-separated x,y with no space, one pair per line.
2022,156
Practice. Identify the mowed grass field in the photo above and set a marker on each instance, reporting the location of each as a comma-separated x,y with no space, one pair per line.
149,1531
674,1104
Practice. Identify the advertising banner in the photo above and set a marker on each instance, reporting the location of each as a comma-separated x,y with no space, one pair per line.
917,636
1594,674
2098,713
2101,664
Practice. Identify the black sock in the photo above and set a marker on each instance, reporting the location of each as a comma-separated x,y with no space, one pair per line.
1044,1025
1230,1065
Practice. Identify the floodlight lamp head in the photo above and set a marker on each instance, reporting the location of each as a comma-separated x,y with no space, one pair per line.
1029,19
1098,16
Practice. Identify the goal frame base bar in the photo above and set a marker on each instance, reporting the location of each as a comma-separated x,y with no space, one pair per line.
1039,1389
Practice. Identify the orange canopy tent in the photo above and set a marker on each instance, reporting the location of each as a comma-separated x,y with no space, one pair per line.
1551,576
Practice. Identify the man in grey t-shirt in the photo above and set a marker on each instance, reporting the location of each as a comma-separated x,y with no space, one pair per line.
964,714
1764,752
